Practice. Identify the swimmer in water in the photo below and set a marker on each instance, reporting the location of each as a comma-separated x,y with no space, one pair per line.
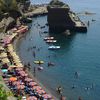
76,74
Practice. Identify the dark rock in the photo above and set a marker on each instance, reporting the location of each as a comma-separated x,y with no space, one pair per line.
61,18
10,23
26,20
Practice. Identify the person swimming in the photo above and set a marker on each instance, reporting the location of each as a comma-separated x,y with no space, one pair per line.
76,74
59,89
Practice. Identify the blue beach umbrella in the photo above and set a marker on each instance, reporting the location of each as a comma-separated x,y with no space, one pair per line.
4,70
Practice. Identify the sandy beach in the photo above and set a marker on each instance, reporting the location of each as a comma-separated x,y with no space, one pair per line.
15,43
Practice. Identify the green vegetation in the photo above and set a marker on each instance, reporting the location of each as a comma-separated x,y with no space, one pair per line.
3,93
8,5
58,3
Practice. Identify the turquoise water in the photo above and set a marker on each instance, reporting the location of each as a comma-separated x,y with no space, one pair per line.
79,53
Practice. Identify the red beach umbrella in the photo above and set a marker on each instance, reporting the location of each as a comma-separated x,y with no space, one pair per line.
28,79
32,83
32,98
20,87
40,91
36,88
23,74
18,83
21,71
47,96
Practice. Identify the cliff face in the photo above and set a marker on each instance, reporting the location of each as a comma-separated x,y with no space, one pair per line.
61,18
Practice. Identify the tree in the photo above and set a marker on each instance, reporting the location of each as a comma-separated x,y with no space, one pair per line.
8,5
3,93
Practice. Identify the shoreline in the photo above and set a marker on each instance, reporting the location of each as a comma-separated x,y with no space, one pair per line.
15,43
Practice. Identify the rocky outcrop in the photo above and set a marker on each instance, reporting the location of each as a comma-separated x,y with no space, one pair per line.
61,18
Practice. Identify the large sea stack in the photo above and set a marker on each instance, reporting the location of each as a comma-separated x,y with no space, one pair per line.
61,18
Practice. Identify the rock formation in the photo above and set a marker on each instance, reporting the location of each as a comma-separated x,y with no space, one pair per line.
61,18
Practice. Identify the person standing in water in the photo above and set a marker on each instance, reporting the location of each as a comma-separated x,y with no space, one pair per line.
34,71
34,55
76,74
79,98
59,89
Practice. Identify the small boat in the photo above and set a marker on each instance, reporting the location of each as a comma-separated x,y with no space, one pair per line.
38,62
53,47
45,32
51,41
50,64
42,27
40,68
48,38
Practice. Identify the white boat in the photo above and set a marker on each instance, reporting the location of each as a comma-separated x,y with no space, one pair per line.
51,41
40,68
53,47
48,38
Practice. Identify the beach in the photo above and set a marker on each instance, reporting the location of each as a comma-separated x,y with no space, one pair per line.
11,43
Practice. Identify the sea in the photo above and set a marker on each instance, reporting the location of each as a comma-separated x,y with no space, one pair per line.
77,62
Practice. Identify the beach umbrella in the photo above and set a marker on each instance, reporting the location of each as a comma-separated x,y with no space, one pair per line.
5,61
10,45
14,29
36,88
19,68
16,61
7,40
1,48
15,56
40,92
22,73
19,64
32,83
20,86
4,70
32,98
18,83
46,96
12,66
28,79
13,79
3,55
20,27
13,35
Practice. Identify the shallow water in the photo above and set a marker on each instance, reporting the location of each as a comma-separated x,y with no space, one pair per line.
78,53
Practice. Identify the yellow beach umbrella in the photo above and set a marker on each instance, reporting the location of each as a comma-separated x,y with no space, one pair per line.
19,64
5,61
10,48
1,48
2,55
13,54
